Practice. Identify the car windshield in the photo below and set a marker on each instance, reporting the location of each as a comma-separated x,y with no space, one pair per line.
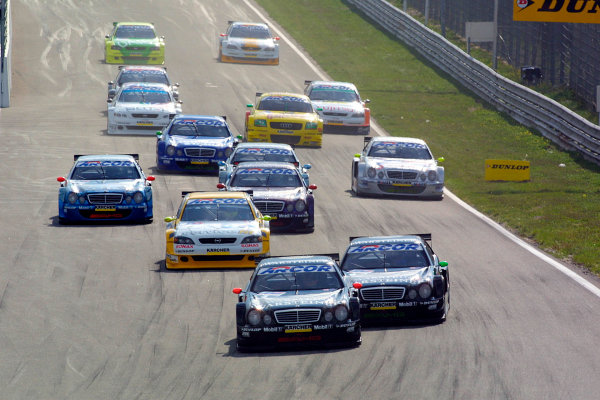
333,95
413,151
408,255
145,96
103,172
258,154
143,76
135,32
205,211
266,177
250,32
268,281
212,129
285,103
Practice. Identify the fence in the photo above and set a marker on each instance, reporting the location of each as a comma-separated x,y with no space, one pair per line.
5,52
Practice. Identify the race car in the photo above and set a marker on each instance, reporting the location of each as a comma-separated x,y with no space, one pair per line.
216,230
107,187
278,152
279,191
297,300
248,42
141,109
401,277
134,43
194,143
340,105
284,118
397,166
139,74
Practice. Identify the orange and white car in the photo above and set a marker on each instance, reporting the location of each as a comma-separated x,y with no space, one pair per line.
248,42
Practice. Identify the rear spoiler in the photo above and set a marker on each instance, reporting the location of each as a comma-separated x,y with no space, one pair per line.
424,236
366,141
136,156
334,256
307,82
186,192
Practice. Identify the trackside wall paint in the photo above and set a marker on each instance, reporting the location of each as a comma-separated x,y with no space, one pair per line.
507,170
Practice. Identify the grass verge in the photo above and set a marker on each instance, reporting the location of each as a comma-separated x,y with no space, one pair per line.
559,209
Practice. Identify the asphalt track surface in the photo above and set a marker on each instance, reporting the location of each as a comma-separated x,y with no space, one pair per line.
88,312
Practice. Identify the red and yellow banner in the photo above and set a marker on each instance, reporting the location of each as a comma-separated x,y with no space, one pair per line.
507,170
577,11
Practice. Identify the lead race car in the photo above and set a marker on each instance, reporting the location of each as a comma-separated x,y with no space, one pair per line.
141,108
134,43
268,152
248,42
194,143
107,187
216,230
398,166
401,277
279,191
297,300
340,106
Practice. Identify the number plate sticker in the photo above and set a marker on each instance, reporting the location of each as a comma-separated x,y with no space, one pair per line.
298,328
223,252
105,209
383,306
402,184
284,131
199,162
143,123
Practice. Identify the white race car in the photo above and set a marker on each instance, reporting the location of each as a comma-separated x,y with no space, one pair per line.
141,108
248,42
340,107
397,166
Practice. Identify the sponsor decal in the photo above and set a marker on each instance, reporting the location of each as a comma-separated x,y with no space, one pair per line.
218,250
184,246
507,170
400,144
250,245
298,328
333,87
279,171
326,326
217,201
285,98
105,163
263,151
383,306
272,329
575,11
385,247
296,268
105,209
203,122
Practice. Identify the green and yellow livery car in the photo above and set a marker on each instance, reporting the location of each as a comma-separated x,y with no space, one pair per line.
284,118
134,43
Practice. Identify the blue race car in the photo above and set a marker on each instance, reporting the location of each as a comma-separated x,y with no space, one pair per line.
108,187
278,152
194,143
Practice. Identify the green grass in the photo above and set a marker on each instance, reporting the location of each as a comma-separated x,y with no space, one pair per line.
559,208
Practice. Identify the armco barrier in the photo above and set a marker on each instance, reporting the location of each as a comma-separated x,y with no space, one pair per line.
5,53
556,122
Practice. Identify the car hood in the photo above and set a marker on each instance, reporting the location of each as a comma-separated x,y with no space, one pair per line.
335,106
271,193
168,107
291,299
136,42
395,163
111,185
198,141
199,228
376,277
276,116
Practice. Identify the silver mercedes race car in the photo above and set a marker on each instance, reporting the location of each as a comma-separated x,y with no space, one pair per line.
340,107
397,166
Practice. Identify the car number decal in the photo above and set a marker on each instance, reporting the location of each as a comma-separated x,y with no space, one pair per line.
144,123
383,306
297,328
402,184
199,162
284,131
105,209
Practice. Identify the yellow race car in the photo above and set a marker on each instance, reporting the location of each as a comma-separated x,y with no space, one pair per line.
284,118
134,43
216,230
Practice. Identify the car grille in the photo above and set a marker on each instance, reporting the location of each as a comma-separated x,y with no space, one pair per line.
217,241
199,152
297,316
287,139
234,257
382,293
135,48
144,115
396,174
294,126
250,48
105,198
269,206
335,114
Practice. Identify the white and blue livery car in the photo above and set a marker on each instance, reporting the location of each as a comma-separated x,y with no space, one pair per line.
108,187
397,166
194,143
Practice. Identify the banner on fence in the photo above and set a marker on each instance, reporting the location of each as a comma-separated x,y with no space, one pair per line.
577,11
507,170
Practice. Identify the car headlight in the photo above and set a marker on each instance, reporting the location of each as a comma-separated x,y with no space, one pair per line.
232,46
252,239
72,198
432,175
311,125
170,150
358,115
300,205
254,317
128,199
260,122
371,172
425,291
116,47
182,240
155,48
269,48
228,151
267,319
412,294
81,199
423,176
328,316
138,197
380,174
341,313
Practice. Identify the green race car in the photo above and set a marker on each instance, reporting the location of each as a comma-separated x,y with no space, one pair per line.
134,43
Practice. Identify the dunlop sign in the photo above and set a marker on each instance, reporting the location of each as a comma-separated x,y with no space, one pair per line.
582,11
506,170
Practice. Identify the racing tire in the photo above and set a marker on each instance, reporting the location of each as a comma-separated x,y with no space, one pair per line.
63,221
148,220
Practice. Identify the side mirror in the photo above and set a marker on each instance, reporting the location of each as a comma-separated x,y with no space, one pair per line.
441,159
312,187
237,290
307,166
267,218
170,219
150,178
357,155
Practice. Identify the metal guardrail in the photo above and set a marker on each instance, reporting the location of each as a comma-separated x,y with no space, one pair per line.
556,122
5,52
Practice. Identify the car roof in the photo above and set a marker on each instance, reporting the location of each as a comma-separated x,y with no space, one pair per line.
200,117
386,240
146,85
96,157
284,94
294,260
218,195
263,145
134,23
333,83
265,164
397,139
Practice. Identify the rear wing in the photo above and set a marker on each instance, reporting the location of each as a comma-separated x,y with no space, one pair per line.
334,256
366,141
135,156
307,82
425,236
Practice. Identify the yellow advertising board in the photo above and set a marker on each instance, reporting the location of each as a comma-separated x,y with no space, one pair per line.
576,11
507,170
